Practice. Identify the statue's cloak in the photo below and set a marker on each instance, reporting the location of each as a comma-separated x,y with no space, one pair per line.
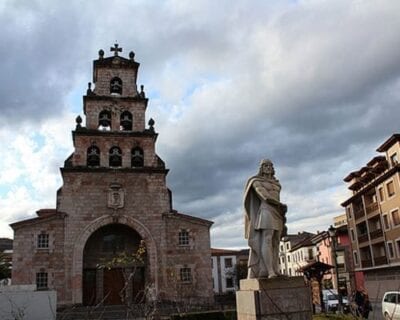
252,205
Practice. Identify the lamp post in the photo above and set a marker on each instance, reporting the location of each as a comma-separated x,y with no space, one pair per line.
332,234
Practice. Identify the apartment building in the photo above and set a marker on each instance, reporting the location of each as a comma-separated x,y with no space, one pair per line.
295,253
223,264
374,219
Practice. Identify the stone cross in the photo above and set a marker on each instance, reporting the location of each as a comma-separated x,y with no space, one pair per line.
116,49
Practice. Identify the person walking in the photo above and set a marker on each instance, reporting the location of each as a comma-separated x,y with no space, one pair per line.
367,307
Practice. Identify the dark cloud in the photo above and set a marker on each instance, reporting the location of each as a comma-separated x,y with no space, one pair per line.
313,86
42,47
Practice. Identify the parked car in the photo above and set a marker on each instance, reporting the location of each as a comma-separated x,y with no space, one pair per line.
391,305
331,301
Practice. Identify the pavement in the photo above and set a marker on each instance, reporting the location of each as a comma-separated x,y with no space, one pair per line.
376,313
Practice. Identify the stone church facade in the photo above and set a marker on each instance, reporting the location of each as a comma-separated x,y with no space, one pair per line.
114,199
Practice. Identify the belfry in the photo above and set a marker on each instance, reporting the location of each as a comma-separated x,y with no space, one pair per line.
114,199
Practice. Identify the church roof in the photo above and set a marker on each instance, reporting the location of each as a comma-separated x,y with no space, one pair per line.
175,214
43,215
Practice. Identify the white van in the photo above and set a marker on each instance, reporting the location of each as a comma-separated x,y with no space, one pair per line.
391,305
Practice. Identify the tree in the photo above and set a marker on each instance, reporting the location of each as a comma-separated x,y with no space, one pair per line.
5,267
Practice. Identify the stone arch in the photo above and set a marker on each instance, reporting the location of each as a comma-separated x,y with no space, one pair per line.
77,259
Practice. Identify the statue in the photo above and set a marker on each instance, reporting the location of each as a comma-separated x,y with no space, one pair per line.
264,222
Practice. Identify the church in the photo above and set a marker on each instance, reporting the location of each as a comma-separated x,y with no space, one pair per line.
113,202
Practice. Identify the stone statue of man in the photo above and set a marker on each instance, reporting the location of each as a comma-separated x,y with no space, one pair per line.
264,222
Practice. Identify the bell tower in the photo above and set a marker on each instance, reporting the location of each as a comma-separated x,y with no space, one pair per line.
115,135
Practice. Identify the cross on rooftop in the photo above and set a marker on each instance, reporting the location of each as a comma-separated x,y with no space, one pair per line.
116,49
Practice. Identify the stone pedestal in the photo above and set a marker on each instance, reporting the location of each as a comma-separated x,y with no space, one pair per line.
280,298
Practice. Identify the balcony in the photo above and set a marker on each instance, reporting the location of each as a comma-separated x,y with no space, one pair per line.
359,214
366,263
380,260
372,208
376,234
363,238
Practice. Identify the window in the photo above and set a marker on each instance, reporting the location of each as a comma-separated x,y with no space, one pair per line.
398,247
43,241
282,247
390,250
393,159
353,238
229,282
185,274
390,188
93,156
41,280
105,120
116,86
113,243
288,258
287,246
115,157
395,217
348,211
183,238
386,223
228,262
126,121
355,254
310,254
137,157
381,194
391,298
212,263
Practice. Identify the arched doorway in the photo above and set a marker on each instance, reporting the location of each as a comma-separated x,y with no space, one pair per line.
110,275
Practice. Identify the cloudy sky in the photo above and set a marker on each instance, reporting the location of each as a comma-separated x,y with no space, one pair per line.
312,85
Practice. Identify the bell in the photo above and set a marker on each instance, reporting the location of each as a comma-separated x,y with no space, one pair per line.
93,160
93,157
137,158
115,159
105,120
137,161
126,121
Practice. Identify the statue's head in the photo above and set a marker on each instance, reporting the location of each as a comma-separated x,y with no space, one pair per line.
266,168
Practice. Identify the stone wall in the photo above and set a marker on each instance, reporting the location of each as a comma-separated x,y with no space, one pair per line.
28,259
196,256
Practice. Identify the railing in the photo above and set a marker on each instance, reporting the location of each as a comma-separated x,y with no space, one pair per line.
359,214
376,234
371,208
380,260
362,238
366,263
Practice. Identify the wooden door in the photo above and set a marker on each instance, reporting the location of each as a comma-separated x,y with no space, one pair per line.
113,286
89,287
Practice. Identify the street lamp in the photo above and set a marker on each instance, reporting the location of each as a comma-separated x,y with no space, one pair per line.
332,235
